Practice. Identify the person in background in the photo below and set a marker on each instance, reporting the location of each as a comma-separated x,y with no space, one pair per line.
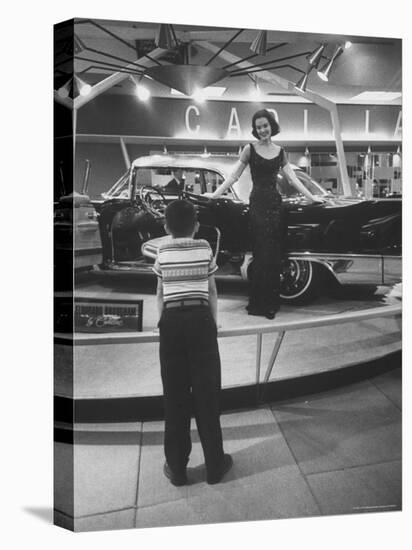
175,185
265,159
189,353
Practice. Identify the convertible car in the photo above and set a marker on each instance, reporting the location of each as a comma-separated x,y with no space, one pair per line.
346,240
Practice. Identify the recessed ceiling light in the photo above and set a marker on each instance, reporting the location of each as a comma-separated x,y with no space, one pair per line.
377,96
209,91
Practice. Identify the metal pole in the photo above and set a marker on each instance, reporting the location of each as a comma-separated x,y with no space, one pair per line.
258,361
275,352
125,153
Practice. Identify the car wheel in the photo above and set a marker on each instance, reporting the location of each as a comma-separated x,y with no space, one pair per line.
299,281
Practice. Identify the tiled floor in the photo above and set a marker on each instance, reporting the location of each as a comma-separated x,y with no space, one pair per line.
331,453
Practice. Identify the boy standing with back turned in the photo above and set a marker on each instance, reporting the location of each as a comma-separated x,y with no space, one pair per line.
189,354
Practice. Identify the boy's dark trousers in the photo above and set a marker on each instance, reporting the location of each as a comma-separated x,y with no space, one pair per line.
190,369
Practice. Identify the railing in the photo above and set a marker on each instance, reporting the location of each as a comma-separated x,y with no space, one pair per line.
275,327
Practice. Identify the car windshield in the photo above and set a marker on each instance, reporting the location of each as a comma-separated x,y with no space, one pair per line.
170,181
286,189
200,180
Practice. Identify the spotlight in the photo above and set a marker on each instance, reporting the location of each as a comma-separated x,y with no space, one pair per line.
315,57
84,89
74,87
142,92
326,69
205,153
199,96
164,37
301,84
64,91
259,44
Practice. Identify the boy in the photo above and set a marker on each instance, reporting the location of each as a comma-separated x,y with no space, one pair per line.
189,354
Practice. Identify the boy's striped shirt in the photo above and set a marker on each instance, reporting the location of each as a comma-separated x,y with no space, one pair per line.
184,266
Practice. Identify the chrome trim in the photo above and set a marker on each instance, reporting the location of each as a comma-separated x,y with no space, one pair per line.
392,269
356,268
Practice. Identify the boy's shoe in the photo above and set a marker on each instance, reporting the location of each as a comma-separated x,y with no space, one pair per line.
226,465
175,479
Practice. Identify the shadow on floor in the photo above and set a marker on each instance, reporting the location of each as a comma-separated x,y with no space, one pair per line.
43,513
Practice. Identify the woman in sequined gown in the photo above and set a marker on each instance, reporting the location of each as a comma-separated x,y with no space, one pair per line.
265,159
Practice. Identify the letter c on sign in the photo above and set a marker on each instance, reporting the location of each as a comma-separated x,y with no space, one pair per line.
196,129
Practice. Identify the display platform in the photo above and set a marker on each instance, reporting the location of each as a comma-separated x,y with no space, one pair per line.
334,340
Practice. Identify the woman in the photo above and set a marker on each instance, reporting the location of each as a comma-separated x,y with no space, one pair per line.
265,159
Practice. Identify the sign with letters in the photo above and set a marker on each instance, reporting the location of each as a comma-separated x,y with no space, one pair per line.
121,115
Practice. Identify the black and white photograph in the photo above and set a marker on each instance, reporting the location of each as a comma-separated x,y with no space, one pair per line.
245,185
226,280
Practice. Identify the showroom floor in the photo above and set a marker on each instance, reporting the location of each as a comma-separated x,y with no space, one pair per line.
336,452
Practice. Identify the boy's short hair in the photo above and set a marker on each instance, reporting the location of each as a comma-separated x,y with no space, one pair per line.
181,218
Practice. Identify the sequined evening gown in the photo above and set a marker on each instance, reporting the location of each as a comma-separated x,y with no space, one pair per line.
265,216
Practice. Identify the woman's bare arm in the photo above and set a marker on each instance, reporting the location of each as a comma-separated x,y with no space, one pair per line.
294,180
236,173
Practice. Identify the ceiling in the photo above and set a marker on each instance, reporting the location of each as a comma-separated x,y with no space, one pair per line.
106,52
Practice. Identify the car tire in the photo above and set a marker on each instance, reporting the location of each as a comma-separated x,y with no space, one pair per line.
300,281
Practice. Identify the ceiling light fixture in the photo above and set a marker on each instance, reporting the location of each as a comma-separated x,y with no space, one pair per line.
74,87
141,91
165,38
302,82
259,44
324,72
84,88
64,91
184,77
315,57
199,95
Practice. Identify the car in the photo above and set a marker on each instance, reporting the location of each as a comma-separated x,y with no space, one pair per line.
343,239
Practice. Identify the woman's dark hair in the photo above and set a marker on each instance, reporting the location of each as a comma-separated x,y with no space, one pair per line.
181,217
264,113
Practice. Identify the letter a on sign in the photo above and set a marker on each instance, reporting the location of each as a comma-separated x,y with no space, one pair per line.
234,124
